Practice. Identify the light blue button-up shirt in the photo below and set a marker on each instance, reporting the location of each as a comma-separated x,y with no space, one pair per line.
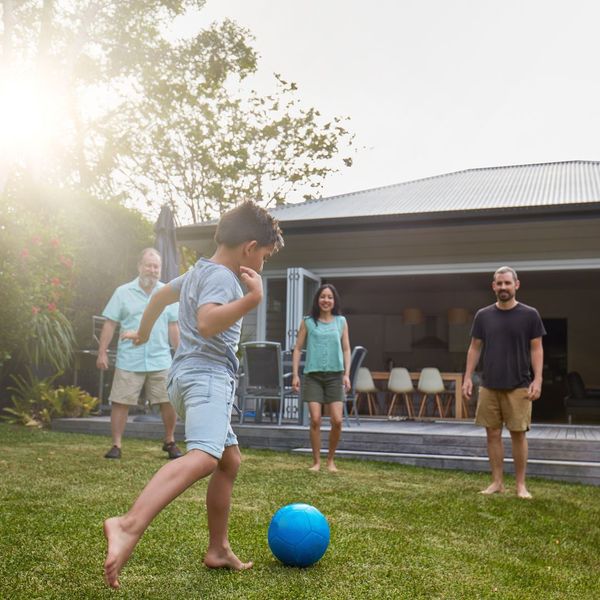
126,307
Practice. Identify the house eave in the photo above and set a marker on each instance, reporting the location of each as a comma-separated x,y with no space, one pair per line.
205,231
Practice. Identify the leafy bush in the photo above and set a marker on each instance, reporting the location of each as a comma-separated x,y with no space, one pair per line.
36,402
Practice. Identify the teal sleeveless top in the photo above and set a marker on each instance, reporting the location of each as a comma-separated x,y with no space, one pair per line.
324,345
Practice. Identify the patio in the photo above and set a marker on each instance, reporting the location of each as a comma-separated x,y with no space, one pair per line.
564,452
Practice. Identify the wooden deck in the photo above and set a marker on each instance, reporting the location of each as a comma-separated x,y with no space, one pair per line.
564,452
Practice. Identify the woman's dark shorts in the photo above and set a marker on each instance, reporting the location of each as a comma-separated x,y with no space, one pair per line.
323,387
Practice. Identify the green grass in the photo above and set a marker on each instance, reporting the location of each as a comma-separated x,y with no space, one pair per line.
396,532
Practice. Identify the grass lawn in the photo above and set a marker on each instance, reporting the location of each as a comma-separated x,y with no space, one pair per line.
396,532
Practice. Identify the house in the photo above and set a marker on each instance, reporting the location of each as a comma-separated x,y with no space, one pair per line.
413,261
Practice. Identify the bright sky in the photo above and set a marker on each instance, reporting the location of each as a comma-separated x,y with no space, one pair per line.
434,86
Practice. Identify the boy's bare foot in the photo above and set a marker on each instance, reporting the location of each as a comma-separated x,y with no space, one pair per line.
494,488
225,559
523,494
120,547
315,467
331,467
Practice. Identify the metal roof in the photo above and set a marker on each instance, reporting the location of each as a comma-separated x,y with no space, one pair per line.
519,186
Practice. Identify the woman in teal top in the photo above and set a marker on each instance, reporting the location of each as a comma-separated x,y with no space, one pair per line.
327,369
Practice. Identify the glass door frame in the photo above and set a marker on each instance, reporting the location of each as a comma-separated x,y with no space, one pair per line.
297,278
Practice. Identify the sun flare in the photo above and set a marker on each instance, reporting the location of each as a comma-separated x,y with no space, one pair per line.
32,116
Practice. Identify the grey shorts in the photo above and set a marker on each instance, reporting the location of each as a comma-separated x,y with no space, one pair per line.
127,387
323,387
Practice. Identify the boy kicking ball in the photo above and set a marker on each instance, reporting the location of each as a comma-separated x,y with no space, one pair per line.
201,382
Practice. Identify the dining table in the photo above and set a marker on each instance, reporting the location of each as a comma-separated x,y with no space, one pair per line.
460,411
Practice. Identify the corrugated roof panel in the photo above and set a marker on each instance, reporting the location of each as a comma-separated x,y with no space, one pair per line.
517,186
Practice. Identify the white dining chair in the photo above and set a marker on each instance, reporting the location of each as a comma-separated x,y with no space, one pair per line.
431,384
365,385
400,384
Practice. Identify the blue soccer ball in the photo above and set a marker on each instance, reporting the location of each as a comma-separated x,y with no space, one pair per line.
298,535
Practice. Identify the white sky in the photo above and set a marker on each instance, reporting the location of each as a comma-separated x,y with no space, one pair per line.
434,86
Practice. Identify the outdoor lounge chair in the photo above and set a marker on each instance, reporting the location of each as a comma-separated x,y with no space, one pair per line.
581,401
356,360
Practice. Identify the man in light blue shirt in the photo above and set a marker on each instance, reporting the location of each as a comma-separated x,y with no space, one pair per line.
140,367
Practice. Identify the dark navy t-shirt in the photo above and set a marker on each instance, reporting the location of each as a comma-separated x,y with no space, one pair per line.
506,336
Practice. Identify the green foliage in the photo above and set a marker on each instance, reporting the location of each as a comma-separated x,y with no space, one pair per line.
37,285
208,141
175,120
52,340
35,402
61,257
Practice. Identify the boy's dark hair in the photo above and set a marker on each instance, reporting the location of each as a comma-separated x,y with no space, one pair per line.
248,222
315,311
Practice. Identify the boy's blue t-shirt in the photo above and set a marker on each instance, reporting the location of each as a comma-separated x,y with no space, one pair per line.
206,283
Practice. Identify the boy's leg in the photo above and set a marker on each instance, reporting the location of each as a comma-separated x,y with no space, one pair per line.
314,409
218,505
123,533
335,415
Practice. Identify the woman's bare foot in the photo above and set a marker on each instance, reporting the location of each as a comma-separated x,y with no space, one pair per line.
494,488
315,467
331,467
523,493
225,559
120,547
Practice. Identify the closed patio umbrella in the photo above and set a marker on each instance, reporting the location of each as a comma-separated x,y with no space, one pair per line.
165,243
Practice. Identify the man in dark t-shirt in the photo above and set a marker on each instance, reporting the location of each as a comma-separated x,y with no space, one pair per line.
508,337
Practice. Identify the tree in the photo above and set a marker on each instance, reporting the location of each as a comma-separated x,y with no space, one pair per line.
175,120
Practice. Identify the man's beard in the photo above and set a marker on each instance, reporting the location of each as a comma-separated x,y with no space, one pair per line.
504,296
148,281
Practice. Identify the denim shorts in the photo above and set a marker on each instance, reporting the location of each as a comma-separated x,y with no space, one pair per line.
204,400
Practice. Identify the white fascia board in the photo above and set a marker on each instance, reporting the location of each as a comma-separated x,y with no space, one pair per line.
576,264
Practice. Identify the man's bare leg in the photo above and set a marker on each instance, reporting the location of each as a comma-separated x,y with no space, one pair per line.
336,410
496,458
123,533
314,409
520,452
118,421
218,505
169,418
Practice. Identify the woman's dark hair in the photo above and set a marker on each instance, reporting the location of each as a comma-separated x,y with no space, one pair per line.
246,222
315,311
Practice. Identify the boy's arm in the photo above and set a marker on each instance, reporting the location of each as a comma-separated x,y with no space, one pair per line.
212,319
162,298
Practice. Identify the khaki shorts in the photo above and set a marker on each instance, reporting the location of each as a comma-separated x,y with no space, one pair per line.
323,387
127,387
495,407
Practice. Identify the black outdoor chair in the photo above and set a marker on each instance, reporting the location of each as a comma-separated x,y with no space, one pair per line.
263,379
291,407
581,401
356,360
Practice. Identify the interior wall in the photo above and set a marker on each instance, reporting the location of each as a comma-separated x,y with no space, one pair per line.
374,306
